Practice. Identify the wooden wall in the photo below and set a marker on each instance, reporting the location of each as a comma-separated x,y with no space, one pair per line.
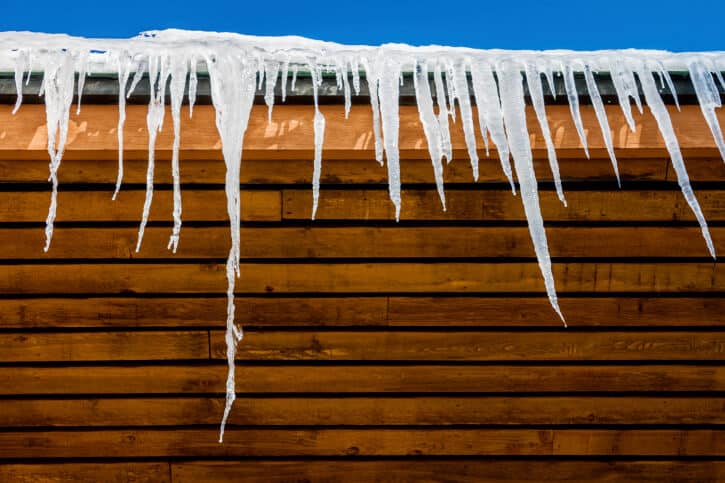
418,351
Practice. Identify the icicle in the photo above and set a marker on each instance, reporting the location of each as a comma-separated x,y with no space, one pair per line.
443,113
573,96
158,76
232,91
490,116
294,77
346,88
450,84
536,91
319,134
626,87
137,76
355,66
670,84
601,114
659,111
179,72
460,82
82,66
708,97
271,71
430,126
193,83
283,79
371,76
21,65
514,111
58,82
124,66
388,91
549,74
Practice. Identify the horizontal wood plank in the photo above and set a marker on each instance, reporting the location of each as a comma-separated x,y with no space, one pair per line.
197,205
598,277
92,133
463,471
476,346
331,411
358,242
489,205
373,311
358,442
376,378
343,171
103,346
86,472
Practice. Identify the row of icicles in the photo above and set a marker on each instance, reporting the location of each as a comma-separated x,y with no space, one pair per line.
497,87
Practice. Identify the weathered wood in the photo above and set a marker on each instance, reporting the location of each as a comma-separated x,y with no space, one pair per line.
354,411
377,311
476,346
86,472
599,277
359,442
101,346
197,205
358,242
463,471
92,134
334,379
501,205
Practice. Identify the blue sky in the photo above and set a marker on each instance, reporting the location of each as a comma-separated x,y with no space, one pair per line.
525,24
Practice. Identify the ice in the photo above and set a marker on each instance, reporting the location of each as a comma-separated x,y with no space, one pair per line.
460,83
193,83
626,87
601,117
22,64
293,85
82,66
158,78
659,111
708,97
58,82
283,79
371,76
490,116
443,113
388,91
536,91
514,111
431,128
271,72
573,96
319,135
124,70
232,80
179,71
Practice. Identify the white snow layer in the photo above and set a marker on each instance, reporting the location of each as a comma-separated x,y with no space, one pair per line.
238,66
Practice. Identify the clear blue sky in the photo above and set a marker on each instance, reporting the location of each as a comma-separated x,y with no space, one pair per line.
524,24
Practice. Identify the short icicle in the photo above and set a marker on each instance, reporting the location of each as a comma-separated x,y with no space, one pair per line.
601,114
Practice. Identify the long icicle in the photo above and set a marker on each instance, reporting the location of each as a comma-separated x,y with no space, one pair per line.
514,110
536,91
662,117
232,81
431,128
124,71
319,135
708,97
179,71
601,114
388,92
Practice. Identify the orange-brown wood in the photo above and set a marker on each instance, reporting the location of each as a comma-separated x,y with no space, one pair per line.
92,133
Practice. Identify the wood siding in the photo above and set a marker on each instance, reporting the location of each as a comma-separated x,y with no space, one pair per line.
423,350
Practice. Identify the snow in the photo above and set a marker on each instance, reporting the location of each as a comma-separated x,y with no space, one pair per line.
238,66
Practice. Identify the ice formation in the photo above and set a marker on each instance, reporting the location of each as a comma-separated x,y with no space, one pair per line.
238,66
